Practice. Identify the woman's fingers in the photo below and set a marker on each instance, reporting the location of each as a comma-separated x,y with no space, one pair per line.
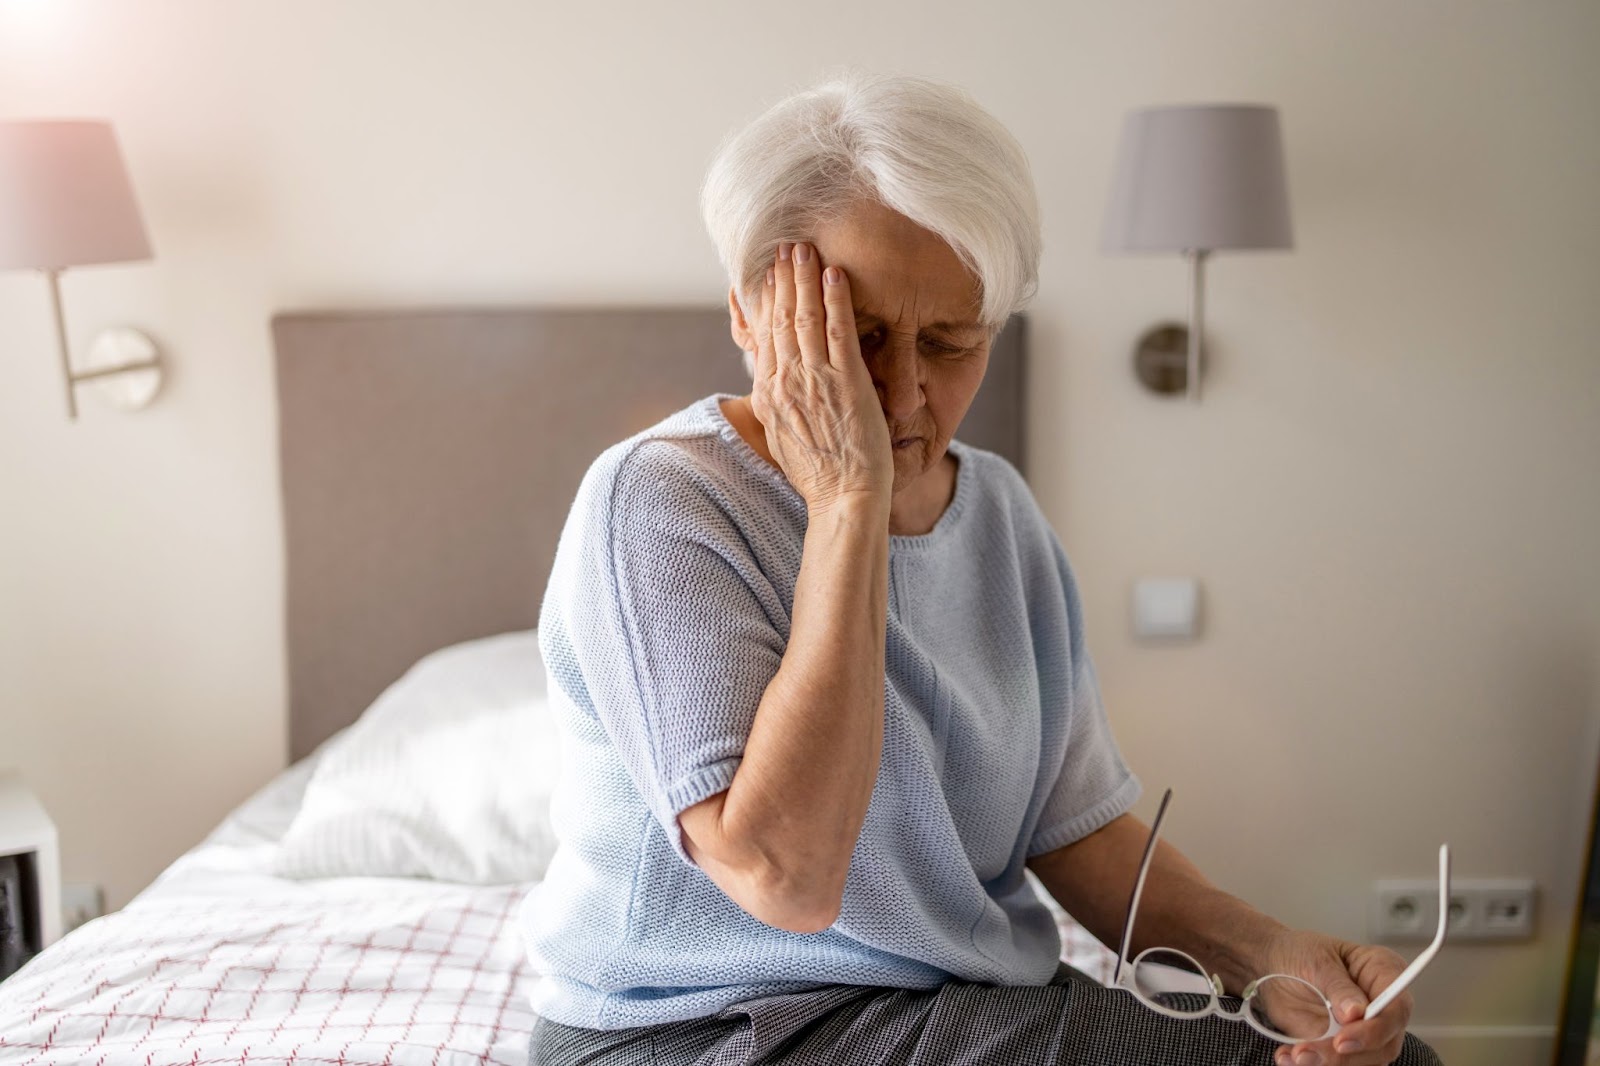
784,341
824,424
808,311
1371,1040
1359,1042
1380,1055
844,347
806,319
766,358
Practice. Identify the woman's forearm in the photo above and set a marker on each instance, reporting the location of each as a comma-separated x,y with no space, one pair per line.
1093,880
787,825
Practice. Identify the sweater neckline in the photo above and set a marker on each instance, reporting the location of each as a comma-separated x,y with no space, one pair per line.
941,531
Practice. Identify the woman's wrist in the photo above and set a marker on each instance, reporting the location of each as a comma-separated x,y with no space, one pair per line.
863,504
1244,940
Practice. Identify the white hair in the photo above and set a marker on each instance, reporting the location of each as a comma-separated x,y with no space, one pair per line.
917,146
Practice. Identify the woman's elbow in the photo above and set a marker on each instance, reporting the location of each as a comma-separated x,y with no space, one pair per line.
792,904
791,893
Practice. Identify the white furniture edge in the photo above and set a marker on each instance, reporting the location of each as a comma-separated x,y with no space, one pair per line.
25,827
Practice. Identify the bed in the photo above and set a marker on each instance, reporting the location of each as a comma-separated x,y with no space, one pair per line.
428,457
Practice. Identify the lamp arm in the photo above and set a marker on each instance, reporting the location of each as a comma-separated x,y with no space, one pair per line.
61,341
1197,263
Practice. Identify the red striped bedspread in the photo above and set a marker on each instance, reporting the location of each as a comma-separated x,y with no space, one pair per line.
220,964
349,972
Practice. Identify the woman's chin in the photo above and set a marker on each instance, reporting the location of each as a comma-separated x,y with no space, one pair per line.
910,463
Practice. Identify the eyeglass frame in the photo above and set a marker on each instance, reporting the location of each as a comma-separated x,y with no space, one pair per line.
1122,976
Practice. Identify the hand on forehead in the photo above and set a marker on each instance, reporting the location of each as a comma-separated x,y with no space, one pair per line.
901,274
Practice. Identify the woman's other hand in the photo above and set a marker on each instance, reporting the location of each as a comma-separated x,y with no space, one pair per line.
1351,976
812,393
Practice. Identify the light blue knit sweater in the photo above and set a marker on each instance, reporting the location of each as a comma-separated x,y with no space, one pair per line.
667,614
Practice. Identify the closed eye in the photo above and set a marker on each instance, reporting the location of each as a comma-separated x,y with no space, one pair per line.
873,337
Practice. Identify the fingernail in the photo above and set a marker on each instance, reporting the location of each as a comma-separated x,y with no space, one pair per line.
769,275
1352,1008
1308,1058
802,253
831,275
783,250
1346,1047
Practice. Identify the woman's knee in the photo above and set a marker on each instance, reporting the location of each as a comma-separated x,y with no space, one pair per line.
1413,1052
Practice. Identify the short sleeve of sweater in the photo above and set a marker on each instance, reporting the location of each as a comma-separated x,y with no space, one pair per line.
654,604
1093,785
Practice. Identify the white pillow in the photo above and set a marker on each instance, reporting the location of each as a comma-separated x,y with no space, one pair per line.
447,775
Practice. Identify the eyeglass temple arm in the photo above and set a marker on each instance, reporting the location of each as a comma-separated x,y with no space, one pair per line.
1133,909
1428,952
1138,887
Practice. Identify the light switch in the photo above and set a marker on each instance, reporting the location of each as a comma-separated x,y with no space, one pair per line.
1166,607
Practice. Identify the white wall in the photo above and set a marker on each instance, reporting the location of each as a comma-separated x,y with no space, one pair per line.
1390,492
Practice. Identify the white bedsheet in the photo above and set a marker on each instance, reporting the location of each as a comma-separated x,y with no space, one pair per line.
219,962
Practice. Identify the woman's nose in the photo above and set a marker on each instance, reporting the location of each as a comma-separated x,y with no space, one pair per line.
899,387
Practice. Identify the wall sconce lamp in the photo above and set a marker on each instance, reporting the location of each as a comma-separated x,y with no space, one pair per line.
66,201
1195,179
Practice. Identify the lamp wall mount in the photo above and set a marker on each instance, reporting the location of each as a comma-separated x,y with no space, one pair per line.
122,363
1161,359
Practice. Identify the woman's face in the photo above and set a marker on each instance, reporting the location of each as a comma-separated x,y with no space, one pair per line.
917,312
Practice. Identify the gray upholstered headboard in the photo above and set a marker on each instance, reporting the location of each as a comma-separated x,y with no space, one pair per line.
429,458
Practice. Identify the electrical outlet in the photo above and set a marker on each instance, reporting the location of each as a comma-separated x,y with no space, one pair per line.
1481,909
80,902
1501,909
1403,910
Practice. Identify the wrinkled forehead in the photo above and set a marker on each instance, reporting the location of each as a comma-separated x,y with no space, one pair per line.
899,272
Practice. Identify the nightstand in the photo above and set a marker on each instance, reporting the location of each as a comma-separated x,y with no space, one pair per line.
31,864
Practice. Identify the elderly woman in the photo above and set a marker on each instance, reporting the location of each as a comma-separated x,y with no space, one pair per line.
822,670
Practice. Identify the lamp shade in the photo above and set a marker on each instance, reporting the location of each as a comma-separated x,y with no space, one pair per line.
65,198
1199,178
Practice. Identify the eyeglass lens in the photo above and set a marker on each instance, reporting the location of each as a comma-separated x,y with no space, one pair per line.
1290,1007
1286,1006
1160,973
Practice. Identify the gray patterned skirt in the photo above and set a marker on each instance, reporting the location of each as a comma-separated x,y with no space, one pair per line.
1073,1020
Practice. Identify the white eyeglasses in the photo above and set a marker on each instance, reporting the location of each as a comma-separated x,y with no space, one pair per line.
1306,1014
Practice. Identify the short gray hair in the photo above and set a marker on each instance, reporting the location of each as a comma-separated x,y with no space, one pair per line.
918,146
